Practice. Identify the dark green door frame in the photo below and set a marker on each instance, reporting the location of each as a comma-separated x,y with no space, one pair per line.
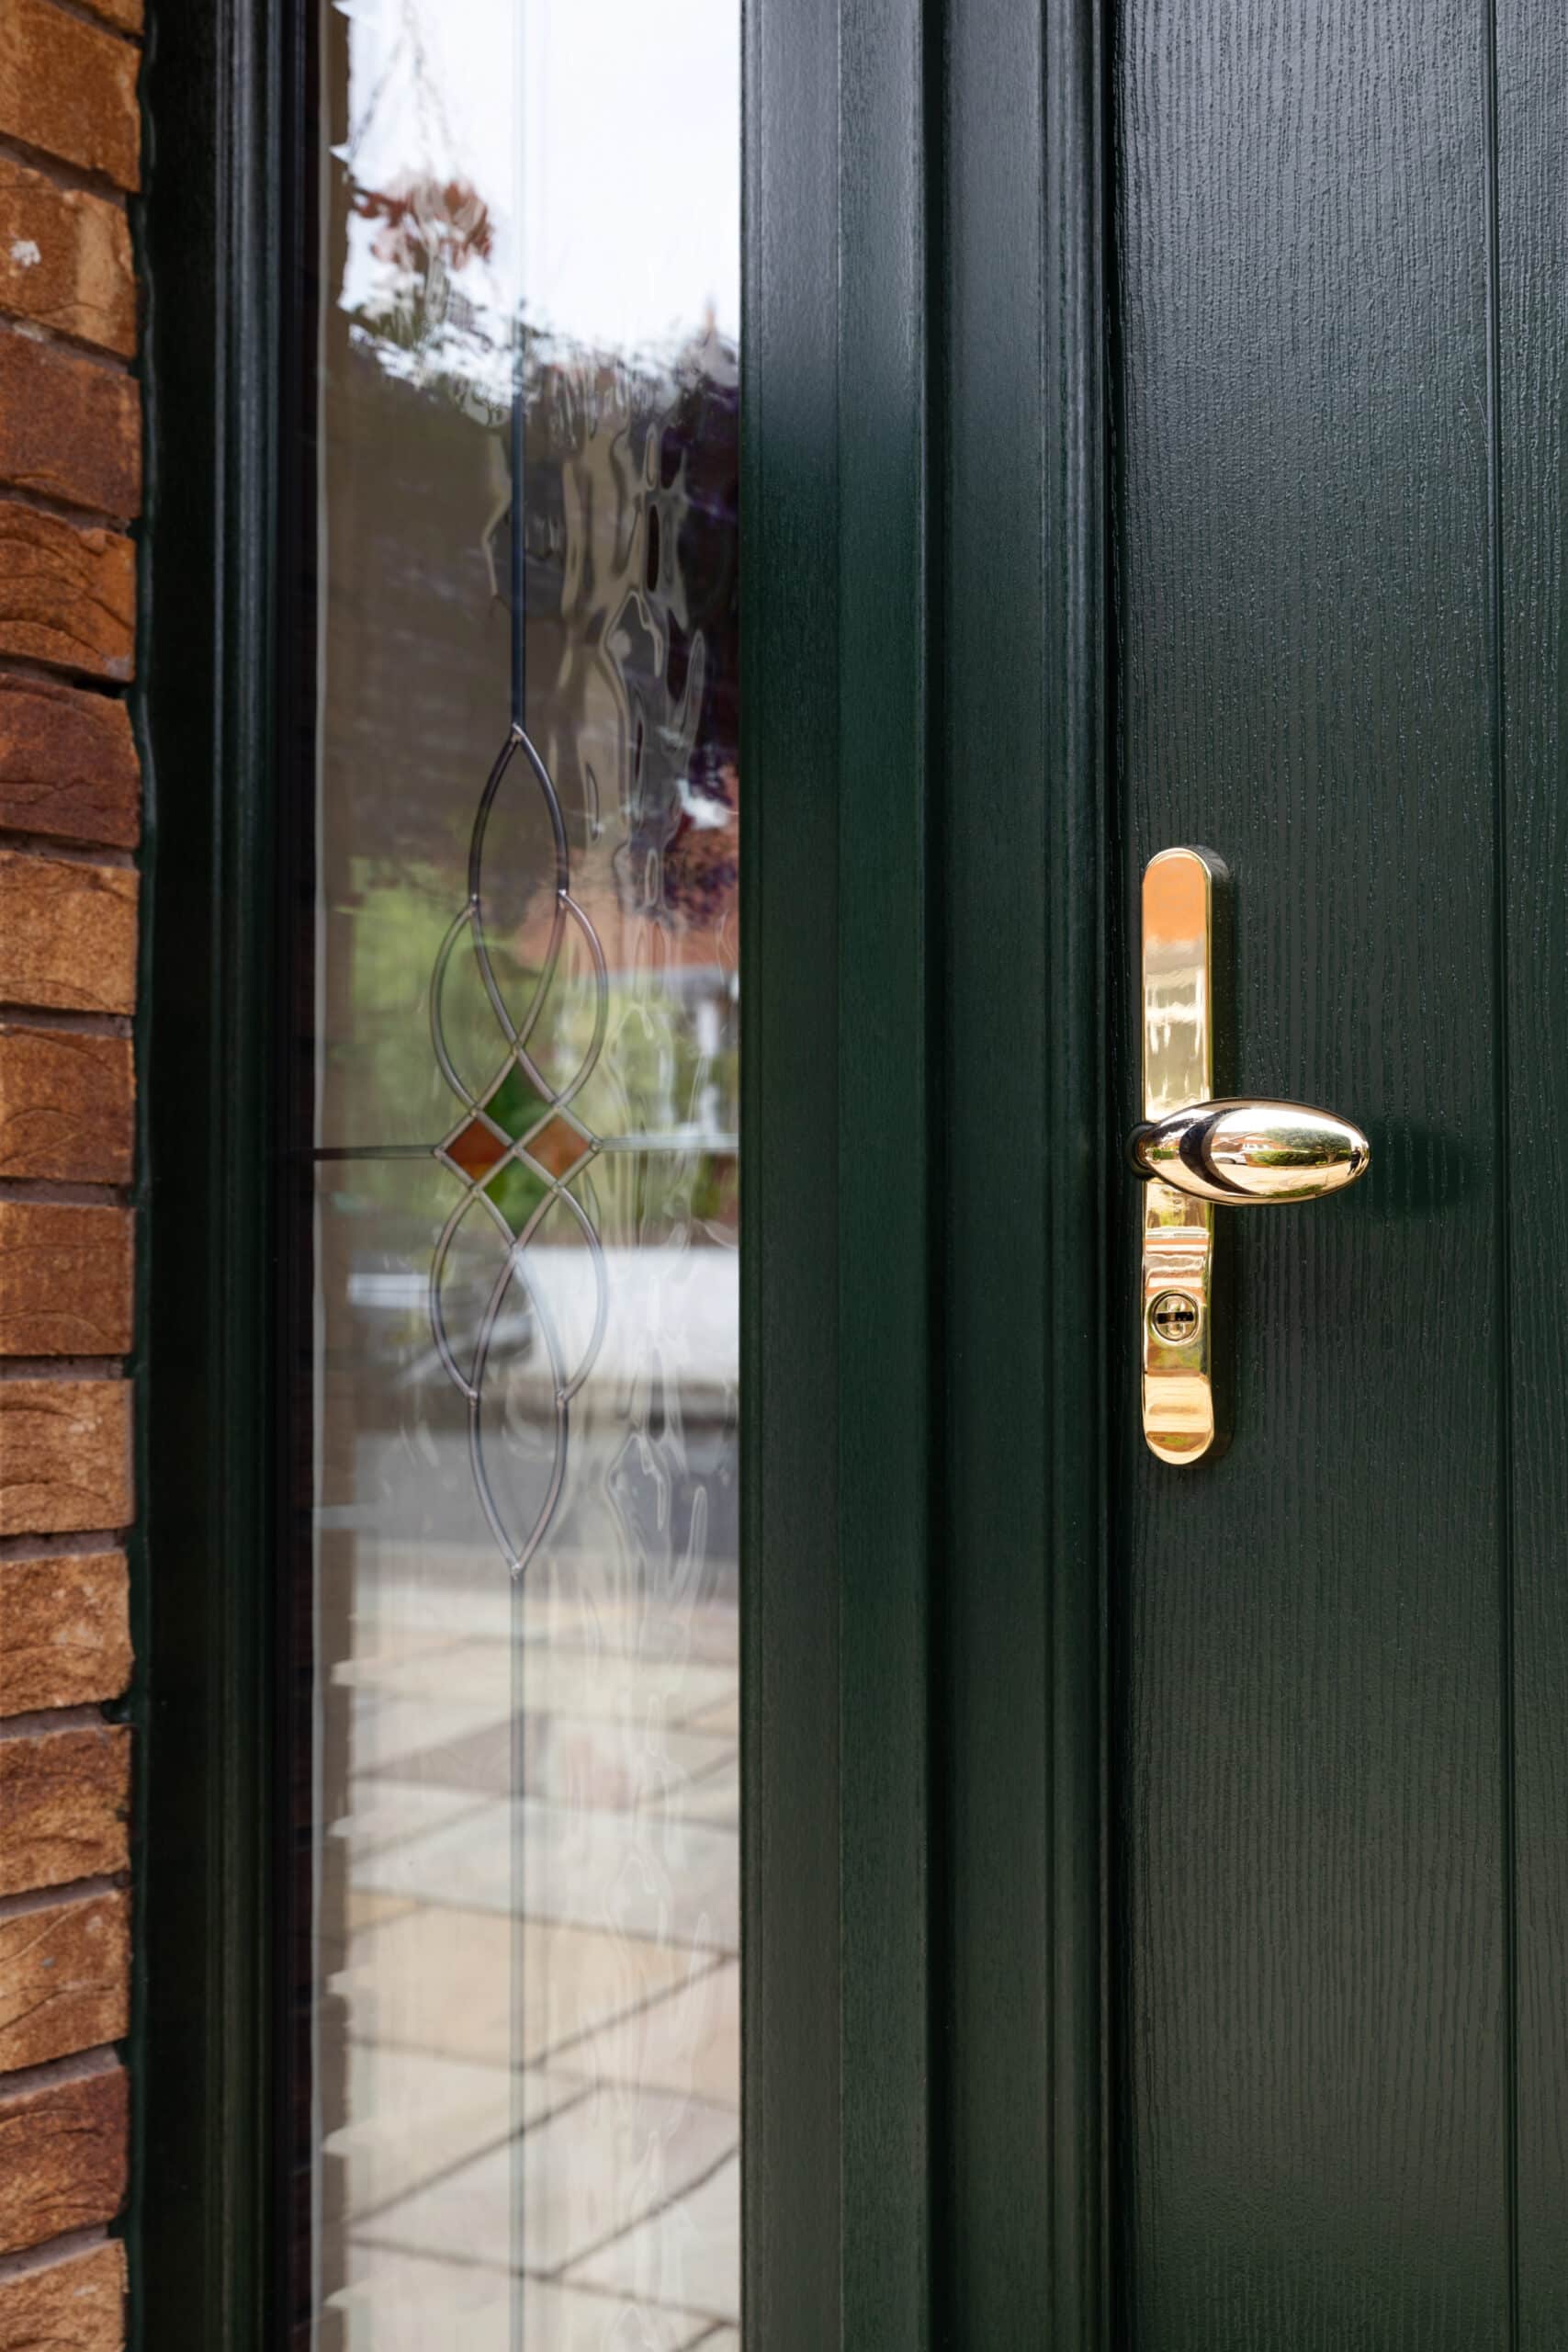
216,245
923,715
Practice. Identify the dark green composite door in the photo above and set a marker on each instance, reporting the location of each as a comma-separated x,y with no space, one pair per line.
1212,491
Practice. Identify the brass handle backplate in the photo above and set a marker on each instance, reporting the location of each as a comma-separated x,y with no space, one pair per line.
1196,1154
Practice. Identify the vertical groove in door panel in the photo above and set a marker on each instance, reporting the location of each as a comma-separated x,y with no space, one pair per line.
1532,221
885,1463
995,2247
789,1957
1073,353
1314,2013
1502,1085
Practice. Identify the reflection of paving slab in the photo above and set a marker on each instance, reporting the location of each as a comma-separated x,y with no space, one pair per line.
715,1797
370,1910
387,1730
384,1812
376,1645
605,2025
722,1713
573,2184
690,2043
552,1678
427,1595
416,2116
402,2302
575,1759
596,1615
645,1873
404,1591
441,1980
689,2253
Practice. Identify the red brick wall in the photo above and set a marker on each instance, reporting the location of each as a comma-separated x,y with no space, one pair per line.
70,791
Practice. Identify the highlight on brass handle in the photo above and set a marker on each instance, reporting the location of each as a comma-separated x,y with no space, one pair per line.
1246,1153
1197,1152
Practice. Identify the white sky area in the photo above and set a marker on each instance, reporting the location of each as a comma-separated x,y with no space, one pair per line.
604,135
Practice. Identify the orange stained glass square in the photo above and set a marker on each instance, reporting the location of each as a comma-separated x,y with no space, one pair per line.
476,1150
558,1146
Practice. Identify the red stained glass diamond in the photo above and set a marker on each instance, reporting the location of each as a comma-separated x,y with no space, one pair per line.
558,1146
476,1148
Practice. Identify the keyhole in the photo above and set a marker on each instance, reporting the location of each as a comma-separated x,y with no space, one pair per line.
1174,1319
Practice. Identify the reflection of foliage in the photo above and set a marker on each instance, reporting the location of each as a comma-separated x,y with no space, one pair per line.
653,1076
426,223
517,1191
428,235
696,1194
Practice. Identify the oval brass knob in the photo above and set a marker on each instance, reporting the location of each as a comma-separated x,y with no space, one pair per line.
1251,1153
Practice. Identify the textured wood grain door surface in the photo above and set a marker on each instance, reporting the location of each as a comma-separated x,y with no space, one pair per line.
1340,1655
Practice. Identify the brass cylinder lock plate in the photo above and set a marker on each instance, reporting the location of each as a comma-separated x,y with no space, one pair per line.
1196,1154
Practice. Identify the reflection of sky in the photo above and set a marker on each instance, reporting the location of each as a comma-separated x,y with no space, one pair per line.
629,178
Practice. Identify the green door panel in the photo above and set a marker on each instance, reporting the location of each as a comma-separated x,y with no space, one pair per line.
1530,395
1315,1725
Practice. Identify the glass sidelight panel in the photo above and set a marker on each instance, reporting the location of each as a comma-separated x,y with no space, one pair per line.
516,2014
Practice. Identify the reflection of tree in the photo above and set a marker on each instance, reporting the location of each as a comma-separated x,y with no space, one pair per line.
425,223
432,308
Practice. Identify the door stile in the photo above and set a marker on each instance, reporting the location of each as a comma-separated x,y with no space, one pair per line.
1022,1618
840,1434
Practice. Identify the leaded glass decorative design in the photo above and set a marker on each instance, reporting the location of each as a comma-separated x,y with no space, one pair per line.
517,1649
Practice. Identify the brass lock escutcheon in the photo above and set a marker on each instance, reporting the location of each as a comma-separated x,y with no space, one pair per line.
1196,1154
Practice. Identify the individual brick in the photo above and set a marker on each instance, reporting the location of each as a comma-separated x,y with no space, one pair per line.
67,1106
67,595
65,260
126,17
65,1456
65,1634
70,427
62,2154
68,764
64,1979
69,89
65,1280
64,1802
67,935
53,2302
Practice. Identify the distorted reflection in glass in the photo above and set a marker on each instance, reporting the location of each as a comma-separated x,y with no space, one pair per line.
525,1861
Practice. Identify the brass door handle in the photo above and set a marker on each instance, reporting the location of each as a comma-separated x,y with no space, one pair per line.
1196,1152
1250,1153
